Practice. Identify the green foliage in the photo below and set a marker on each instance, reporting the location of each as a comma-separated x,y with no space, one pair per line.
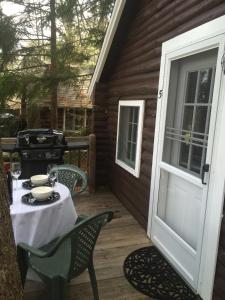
25,40
65,10
8,127
8,40
8,86
84,23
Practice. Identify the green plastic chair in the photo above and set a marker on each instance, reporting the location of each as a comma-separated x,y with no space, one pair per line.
72,177
65,257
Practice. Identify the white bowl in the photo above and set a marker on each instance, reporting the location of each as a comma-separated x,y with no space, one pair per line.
39,179
42,192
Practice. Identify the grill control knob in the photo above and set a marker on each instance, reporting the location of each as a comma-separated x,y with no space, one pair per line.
39,155
48,155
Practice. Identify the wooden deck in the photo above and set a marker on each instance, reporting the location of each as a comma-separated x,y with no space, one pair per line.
118,238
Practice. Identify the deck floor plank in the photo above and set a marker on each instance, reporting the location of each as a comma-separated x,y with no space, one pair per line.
117,239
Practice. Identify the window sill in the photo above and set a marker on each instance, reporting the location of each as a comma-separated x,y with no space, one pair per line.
135,172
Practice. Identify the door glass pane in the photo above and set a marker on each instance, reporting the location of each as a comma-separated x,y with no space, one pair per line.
196,159
188,116
204,86
200,119
179,206
188,112
184,154
191,87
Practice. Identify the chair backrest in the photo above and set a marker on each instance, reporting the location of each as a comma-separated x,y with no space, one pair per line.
71,176
83,240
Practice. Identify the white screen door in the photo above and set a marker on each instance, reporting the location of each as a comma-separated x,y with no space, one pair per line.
184,154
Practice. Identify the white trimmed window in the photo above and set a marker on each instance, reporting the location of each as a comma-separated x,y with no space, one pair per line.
129,135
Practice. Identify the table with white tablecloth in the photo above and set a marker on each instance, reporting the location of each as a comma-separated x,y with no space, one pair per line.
38,225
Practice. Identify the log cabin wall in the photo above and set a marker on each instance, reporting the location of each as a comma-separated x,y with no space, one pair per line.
134,75
100,128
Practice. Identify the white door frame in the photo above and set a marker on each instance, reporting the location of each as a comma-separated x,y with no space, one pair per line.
211,34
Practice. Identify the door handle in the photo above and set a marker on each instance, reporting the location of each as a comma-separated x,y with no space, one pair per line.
205,169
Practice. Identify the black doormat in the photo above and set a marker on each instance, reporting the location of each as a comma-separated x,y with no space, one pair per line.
148,271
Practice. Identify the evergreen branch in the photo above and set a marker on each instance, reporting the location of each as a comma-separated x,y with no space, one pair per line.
27,68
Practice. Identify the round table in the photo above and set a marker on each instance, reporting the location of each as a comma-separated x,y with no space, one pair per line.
40,224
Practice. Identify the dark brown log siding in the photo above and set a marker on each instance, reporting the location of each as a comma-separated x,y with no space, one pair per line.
102,140
135,75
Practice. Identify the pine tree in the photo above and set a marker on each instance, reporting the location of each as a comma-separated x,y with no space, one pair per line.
56,41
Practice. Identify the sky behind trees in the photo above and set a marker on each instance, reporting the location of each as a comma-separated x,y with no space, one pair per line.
10,8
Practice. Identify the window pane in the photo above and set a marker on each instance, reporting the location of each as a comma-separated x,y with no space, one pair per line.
123,132
129,131
204,86
133,153
191,87
131,113
129,150
134,135
136,114
128,135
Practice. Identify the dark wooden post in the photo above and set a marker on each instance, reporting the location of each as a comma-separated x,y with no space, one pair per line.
10,282
23,103
92,162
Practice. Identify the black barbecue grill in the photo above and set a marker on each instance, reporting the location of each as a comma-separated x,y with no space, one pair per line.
38,148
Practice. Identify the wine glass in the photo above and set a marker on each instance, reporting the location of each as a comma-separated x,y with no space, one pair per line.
52,174
16,171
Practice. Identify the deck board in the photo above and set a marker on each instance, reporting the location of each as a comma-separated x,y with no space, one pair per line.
117,239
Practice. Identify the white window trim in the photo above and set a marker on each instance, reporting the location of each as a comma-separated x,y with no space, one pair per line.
140,104
189,40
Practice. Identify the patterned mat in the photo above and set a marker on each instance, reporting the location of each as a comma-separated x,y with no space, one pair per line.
148,271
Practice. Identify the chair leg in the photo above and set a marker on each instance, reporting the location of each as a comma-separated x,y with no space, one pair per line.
93,280
22,258
56,289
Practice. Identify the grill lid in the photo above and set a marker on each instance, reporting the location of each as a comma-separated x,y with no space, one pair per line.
40,138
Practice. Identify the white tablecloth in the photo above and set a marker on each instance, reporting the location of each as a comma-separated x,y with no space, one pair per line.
38,225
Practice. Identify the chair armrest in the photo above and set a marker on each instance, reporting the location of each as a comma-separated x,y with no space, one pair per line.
84,185
46,250
33,251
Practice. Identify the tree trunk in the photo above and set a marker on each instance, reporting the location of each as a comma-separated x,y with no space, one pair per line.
53,71
10,282
24,104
